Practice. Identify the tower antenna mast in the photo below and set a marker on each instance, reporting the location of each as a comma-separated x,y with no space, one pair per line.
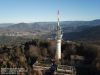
58,17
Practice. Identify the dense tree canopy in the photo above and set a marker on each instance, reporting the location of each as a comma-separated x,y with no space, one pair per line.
26,54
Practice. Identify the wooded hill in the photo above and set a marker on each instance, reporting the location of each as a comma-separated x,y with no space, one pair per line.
24,55
89,35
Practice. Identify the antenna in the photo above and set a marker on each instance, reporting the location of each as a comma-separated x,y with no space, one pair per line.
58,17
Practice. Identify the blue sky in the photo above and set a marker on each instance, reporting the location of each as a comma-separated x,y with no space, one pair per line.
15,11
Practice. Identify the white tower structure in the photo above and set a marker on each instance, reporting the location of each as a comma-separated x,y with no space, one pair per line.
58,39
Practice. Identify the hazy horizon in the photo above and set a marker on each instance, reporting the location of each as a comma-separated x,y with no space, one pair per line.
46,21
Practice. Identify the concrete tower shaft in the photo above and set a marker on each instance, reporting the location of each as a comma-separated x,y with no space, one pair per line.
58,39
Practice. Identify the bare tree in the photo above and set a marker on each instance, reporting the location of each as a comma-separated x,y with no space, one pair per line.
52,47
33,51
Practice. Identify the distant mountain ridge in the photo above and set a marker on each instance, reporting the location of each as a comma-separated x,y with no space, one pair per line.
25,27
62,23
72,30
46,25
6,24
18,27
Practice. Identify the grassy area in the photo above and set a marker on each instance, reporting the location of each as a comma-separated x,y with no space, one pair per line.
43,64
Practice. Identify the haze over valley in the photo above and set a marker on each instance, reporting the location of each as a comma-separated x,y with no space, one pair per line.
72,30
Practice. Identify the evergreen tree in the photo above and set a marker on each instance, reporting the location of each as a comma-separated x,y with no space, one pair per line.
29,60
44,52
39,58
22,48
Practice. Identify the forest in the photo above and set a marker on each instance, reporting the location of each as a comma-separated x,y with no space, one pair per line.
26,54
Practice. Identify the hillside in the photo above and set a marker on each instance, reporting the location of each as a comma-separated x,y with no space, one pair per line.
91,35
18,27
75,28
25,27
2,30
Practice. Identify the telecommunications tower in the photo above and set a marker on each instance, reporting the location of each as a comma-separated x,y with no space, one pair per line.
58,39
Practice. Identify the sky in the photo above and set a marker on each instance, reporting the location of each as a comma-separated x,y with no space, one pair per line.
16,11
